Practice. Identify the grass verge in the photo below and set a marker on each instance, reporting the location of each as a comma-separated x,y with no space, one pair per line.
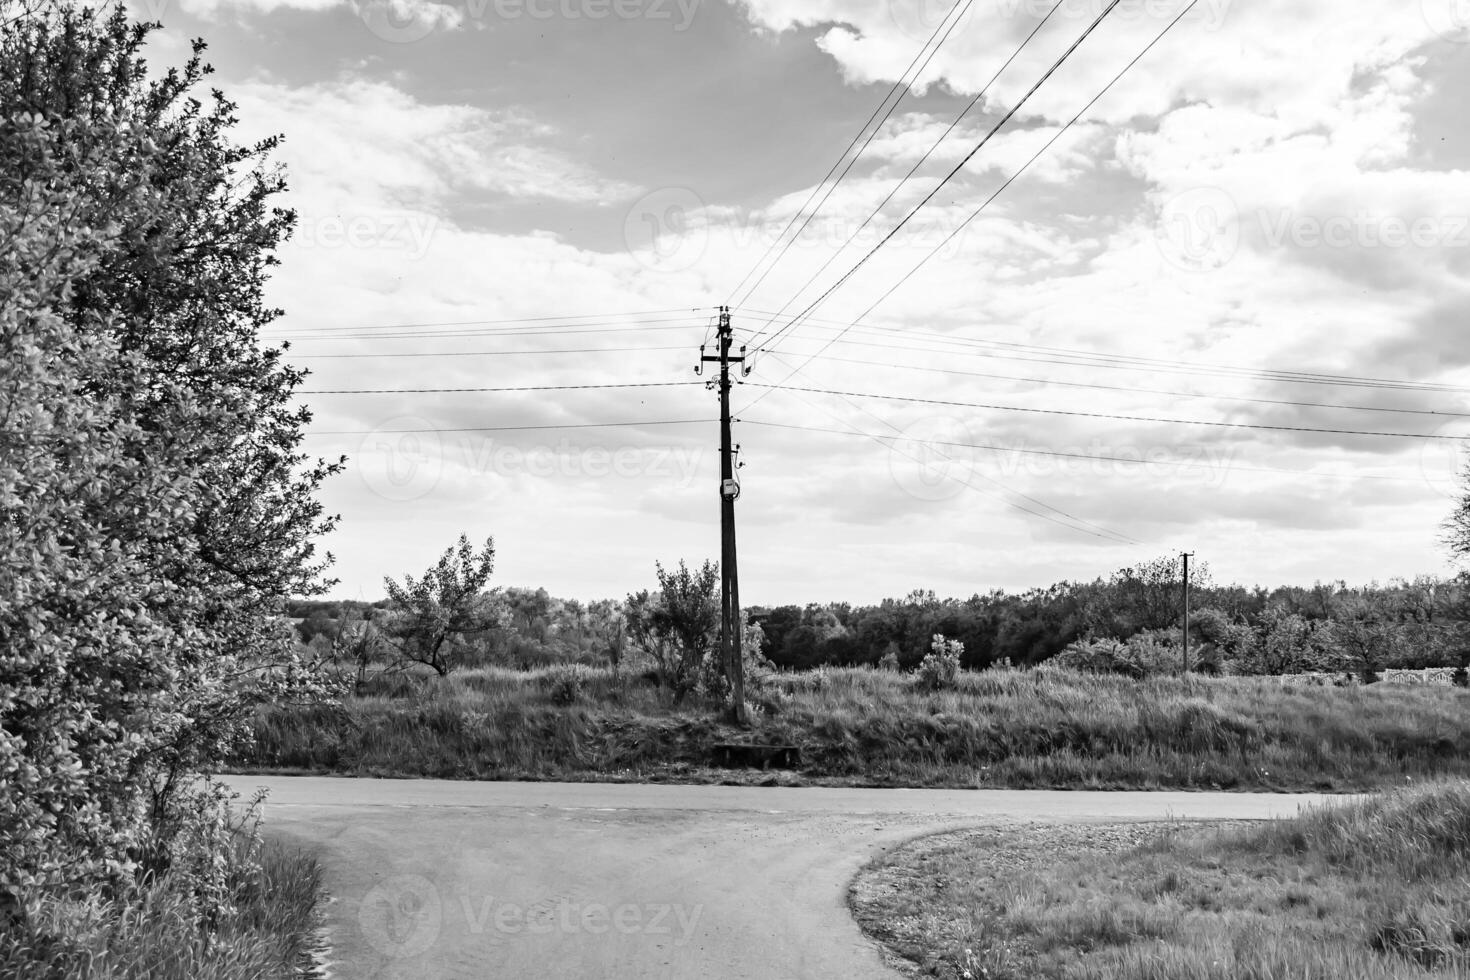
269,936
1370,891
1014,728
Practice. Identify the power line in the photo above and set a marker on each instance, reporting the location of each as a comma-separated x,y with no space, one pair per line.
915,168
867,142
504,428
1106,415
511,320
1150,391
900,83
1130,460
426,391
1061,518
1046,146
484,353
1104,90
1065,357
434,334
950,176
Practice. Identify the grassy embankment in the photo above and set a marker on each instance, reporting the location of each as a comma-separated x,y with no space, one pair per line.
997,728
152,936
1370,891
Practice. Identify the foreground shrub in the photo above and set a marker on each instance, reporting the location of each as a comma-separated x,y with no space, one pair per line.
157,509
266,931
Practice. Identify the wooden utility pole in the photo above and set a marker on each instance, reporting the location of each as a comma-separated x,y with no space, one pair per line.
730,639
1186,555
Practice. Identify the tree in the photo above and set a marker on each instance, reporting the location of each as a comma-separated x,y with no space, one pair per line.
1455,531
431,617
157,511
608,629
678,625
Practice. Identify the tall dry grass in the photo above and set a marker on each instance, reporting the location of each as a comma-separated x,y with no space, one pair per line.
1377,890
154,934
1020,728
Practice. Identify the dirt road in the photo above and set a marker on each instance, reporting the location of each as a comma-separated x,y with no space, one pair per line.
435,879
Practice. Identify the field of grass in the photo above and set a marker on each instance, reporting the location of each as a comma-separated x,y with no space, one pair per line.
1371,891
269,936
1034,728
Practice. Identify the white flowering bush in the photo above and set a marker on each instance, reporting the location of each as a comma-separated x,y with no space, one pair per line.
155,509
940,668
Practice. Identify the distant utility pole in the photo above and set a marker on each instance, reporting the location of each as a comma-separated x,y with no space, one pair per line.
730,639
1186,555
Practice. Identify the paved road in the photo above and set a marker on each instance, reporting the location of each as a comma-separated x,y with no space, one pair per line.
436,880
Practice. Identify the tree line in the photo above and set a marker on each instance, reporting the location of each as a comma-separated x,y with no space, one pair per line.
1132,617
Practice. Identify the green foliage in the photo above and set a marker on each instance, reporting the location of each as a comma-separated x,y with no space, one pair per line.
678,627
1042,727
157,508
940,668
274,901
710,680
429,619
566,684
1151,653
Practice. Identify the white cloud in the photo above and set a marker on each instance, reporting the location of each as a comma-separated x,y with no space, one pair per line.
367,140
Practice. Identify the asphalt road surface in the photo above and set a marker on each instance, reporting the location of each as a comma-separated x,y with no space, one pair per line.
440,880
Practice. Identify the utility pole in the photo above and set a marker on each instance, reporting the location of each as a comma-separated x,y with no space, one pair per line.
730,639
1186,555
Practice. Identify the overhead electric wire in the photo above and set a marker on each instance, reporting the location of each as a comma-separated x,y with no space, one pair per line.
510,320
1063,518
425,391
1107,415
503,428
564,330
897,85
486,353
871,135
950,176
915,168
1150,391
1092,359
1096,457
1091,102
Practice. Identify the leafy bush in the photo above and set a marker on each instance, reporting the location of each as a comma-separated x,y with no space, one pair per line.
940,668
1151,653
274,903
158,509
1096,655
565,683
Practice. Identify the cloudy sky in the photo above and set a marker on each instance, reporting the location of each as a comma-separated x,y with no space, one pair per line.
1167,332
